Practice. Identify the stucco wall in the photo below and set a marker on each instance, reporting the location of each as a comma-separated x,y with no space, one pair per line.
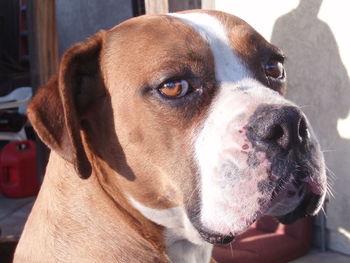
314,35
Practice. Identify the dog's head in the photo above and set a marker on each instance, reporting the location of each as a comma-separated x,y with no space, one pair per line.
186,110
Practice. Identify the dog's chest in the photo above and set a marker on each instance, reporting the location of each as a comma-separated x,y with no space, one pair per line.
183,243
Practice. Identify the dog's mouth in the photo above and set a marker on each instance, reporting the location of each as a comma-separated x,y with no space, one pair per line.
287,203
293,203
297,199
309,205
215,238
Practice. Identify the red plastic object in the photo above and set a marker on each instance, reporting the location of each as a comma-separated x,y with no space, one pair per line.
18,169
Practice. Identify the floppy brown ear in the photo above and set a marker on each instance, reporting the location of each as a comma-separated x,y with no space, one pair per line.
55,111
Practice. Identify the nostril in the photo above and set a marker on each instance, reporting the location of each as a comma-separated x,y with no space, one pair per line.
276,133
279,134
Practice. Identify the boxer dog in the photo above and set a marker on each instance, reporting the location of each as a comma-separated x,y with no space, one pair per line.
168,134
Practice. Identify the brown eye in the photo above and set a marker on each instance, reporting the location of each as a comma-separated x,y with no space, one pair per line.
175,89
274,69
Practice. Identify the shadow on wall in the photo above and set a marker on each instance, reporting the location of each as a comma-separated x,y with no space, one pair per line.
319,83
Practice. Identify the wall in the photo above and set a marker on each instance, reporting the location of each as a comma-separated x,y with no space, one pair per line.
79,19
314,35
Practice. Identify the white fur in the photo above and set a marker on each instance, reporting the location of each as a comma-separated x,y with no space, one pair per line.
183,242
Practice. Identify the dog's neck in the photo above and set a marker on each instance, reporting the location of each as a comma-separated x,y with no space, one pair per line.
183,243
76,211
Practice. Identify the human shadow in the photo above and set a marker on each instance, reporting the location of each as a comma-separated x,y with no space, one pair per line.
319,83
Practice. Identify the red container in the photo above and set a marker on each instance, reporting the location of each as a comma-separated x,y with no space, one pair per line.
18,169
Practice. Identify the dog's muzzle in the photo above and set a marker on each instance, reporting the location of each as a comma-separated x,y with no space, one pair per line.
284,135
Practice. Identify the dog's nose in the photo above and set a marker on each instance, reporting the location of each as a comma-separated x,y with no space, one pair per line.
280,126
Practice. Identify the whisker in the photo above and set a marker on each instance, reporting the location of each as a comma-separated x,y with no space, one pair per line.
330,173
231,249
327,151
306,106
192,193
330,191
324,212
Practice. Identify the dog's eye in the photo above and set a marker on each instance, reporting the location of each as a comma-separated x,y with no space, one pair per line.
274,69
175,89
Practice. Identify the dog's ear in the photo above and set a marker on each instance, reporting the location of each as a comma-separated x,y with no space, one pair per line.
56,110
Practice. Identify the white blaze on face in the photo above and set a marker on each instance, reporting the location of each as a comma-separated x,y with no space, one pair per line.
230,196
228,66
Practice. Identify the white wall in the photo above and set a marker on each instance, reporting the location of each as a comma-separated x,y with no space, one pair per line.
317,44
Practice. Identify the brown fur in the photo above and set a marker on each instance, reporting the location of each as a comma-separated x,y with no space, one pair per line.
75,220
89,115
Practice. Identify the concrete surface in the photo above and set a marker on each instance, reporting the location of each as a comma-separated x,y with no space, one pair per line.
13,214
319,257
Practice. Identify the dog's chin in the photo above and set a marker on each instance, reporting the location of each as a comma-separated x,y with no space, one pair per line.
309,205
215,238
210,235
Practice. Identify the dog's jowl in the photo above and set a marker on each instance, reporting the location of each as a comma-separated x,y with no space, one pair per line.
168,134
